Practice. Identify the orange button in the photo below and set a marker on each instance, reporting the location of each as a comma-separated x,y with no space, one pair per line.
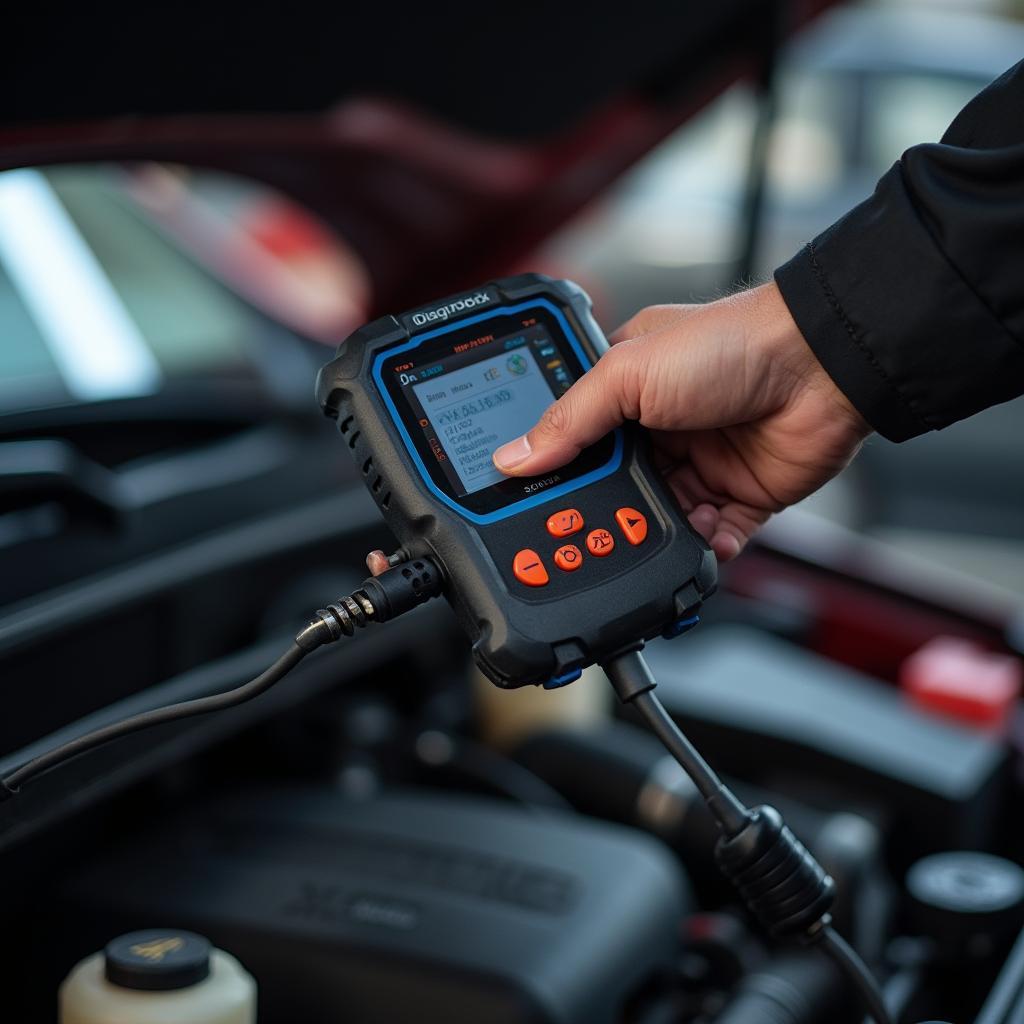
568,557
565,523
633,524
600,543
529,569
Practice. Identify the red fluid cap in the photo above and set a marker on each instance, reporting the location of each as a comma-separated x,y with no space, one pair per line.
961,680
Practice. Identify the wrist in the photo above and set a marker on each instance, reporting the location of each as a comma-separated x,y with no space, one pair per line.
788,353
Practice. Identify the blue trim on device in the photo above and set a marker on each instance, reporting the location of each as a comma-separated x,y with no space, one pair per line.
680,626
564,679
536,499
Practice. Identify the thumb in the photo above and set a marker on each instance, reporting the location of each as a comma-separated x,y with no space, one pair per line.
597,403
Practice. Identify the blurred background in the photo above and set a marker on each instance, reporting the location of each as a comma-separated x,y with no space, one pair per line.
194,215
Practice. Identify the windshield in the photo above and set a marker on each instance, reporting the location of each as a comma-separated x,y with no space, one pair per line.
106,291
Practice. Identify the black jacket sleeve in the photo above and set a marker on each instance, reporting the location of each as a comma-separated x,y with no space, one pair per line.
914,301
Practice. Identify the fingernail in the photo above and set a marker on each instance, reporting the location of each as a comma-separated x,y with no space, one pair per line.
510,455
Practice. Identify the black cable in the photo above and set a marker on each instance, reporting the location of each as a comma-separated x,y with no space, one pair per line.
730,814
379,599
158,716
778,879
634,683
849,962
752,203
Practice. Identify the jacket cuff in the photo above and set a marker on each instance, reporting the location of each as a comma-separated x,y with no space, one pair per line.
833,339
893,323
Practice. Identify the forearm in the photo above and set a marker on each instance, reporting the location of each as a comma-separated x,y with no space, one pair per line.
913,302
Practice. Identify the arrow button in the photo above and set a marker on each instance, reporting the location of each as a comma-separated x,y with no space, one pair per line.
633,525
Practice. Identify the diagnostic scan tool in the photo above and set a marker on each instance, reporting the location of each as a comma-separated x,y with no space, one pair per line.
547,574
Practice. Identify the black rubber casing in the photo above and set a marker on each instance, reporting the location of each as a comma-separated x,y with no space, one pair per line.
524,635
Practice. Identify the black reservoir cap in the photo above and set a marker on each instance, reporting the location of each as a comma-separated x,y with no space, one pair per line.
157,961
969,904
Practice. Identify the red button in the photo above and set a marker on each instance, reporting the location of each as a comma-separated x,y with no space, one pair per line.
529,569
600,543
568,557
565,523
633,524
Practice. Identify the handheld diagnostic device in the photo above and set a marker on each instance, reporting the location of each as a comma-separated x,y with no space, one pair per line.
546,574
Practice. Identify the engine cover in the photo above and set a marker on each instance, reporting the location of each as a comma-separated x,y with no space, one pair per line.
412,906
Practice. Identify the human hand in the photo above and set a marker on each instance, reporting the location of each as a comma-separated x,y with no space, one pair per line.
745,420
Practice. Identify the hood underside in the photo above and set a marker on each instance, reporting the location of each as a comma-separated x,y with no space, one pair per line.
442,145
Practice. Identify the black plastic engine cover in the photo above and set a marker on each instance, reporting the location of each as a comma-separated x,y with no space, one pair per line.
408,907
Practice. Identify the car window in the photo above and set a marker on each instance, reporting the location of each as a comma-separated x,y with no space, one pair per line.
904,110
118,281
810,144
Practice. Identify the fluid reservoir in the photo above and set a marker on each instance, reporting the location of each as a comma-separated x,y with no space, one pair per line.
158,977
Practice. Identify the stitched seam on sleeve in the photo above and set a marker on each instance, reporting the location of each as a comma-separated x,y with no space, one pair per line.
837,308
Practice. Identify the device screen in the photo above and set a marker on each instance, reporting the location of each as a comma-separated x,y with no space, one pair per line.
489,395
464,393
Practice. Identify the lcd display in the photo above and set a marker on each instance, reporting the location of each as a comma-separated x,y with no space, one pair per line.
464,392
477,408
486,391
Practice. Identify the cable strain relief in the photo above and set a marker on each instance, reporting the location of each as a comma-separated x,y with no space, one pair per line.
342,618
782,885
316,633
629,674
402,588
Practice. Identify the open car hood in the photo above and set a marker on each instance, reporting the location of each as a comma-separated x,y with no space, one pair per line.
443,149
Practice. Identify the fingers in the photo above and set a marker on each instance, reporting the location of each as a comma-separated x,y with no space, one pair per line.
597,403
727,545
704,519
594,405
726,527
735,526
723,538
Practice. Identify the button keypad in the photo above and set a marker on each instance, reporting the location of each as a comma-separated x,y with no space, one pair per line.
531,567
